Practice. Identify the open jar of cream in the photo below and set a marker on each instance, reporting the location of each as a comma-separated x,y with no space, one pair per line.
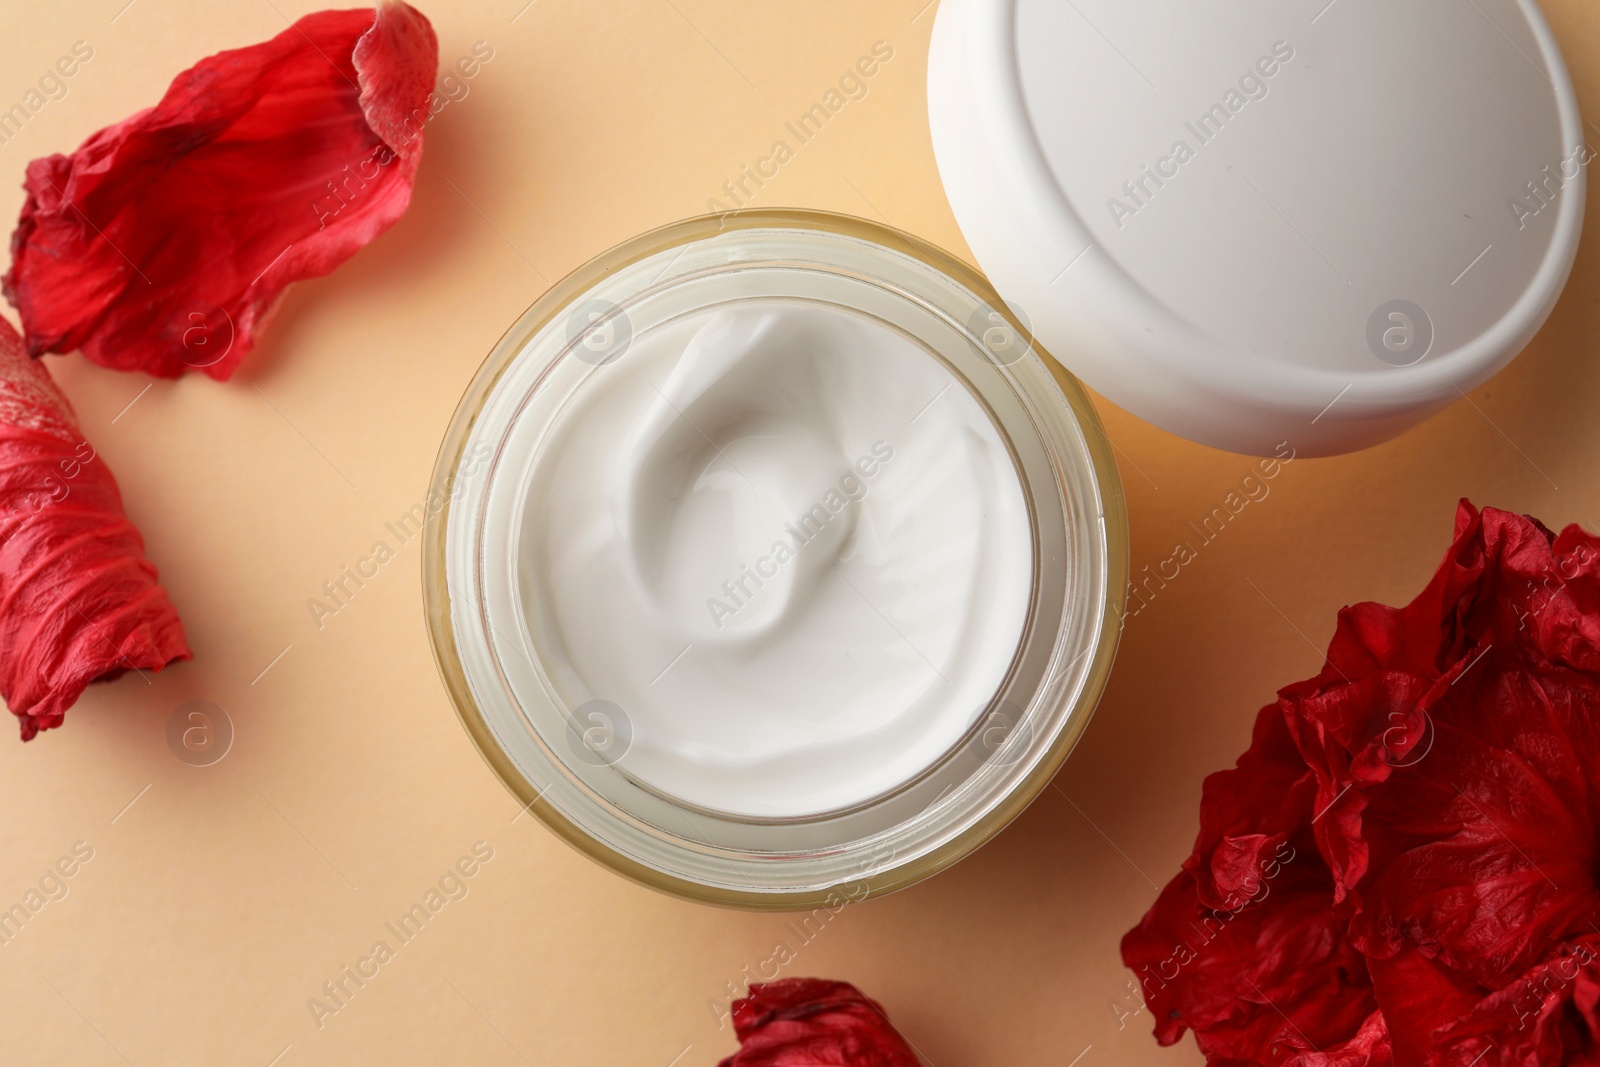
772,565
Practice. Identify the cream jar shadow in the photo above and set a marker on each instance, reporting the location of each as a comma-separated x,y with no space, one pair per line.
773,565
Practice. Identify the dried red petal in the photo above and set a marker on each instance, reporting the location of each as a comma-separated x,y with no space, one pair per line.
79,602
1420,998
1550,1015
1451,747
164,241
811,1022
1474,838
1246,946
1485,853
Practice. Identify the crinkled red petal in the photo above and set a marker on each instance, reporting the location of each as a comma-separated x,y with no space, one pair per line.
1547,1016
1267,980
1439,776
1420,997
79,602
1459,735
811,1022
1248,814
164,241
1484,853
1246,946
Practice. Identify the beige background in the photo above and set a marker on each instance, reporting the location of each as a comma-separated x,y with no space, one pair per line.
223,897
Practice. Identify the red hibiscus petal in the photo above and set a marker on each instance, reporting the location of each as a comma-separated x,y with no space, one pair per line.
1265,983
1451,739
1418,998
1438,777
811,1022
1246,946
1248,813
1354,734
164,241
1485,852
78,601
1544,1017
1369,1047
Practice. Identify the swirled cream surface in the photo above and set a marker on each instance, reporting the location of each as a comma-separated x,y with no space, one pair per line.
776,558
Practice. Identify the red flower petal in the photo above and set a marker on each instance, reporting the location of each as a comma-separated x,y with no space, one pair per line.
1546,1016
1245,946
1269,980
1420,998
1463,760
1485,853
1439,776
79,602
163,242
1247,815
810,1022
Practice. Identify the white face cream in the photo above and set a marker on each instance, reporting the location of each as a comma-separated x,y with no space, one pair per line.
773,567
788,547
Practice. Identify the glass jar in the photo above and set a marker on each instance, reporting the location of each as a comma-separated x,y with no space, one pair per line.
556,754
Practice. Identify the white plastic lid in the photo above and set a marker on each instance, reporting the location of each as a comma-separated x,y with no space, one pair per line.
1259,221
